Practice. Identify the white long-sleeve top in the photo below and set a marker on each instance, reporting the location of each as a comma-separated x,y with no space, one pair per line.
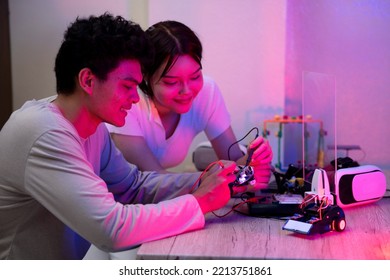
59,192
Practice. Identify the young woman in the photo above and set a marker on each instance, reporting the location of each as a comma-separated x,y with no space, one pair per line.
176,103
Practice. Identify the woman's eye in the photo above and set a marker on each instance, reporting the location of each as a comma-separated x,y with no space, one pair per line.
195,77
170,83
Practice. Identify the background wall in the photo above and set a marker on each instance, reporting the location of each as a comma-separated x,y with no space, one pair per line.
256,50
244,47
37,28
347,40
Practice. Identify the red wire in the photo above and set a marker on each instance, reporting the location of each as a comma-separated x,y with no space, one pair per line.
204,171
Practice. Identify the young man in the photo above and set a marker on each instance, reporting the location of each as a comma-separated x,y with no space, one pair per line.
64,185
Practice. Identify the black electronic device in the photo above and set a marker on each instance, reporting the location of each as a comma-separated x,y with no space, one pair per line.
279,200
344,162
294,180
274,205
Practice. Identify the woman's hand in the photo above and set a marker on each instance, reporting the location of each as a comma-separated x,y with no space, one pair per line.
259,156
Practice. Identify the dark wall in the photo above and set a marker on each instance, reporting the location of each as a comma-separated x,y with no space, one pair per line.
5,64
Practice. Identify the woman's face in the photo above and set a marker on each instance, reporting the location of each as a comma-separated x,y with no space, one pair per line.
177,89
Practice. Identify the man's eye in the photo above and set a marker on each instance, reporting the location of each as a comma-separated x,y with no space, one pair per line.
128,87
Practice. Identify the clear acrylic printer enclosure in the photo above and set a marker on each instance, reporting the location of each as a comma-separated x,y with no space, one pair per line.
309,138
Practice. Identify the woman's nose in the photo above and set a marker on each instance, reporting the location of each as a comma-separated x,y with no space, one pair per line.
184,88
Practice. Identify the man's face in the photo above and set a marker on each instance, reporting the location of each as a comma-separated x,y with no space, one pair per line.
112,98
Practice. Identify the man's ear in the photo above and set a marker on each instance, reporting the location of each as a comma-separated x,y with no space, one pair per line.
86,79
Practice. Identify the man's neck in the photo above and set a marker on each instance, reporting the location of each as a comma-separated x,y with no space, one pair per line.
74,109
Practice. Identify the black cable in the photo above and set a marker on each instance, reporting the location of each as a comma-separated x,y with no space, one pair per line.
257,135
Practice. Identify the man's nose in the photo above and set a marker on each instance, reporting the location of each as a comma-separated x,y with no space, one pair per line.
134,96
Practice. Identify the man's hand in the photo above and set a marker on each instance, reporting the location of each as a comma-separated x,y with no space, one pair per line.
213,192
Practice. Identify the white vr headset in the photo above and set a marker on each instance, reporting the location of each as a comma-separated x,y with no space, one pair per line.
358,185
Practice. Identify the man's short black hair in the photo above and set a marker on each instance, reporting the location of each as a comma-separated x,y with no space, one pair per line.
98,43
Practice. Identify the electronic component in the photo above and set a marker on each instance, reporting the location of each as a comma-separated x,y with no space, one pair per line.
275,205
320,186
244,176
317,219
318,214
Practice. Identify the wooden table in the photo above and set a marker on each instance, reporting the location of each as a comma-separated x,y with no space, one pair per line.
236,236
